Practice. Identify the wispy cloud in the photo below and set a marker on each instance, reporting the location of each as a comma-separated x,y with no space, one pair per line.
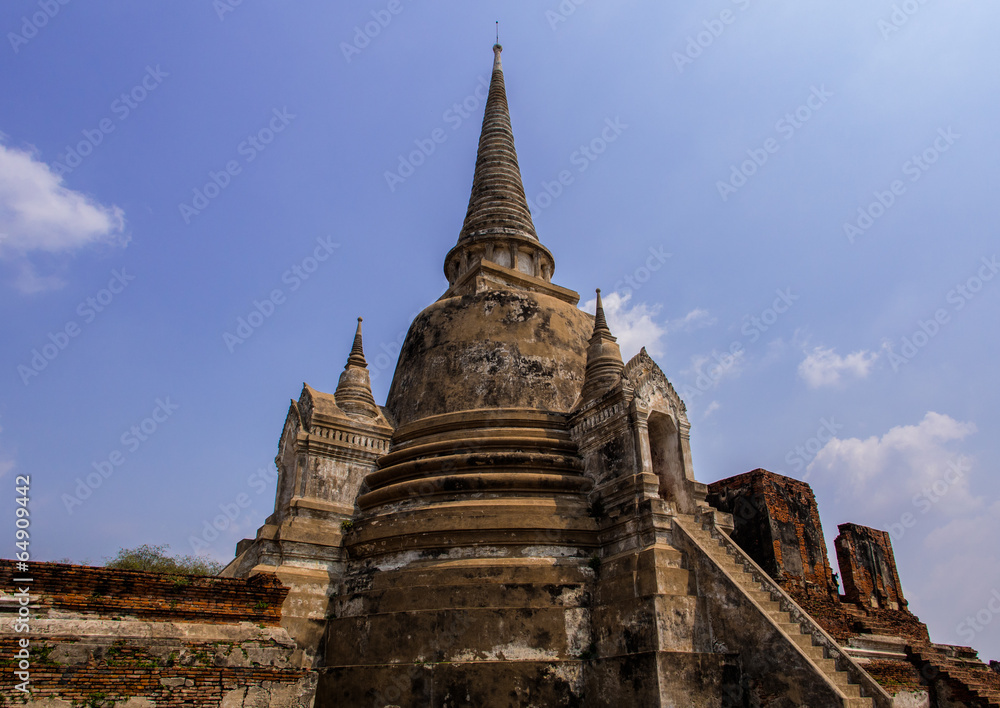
38,214
824,367
904,461
696,319
634,326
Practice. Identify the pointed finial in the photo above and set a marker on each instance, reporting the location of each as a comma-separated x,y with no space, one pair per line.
498,32
604,359
600,324
357,357
354,390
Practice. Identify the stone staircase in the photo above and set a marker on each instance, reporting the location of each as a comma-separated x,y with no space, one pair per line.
969,679
782,611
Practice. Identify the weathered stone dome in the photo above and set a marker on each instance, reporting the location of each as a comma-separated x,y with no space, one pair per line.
492,349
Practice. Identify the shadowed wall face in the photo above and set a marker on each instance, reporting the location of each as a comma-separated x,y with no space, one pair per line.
777,523
869,567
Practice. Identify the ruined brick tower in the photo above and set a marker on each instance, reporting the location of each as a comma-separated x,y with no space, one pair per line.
520,524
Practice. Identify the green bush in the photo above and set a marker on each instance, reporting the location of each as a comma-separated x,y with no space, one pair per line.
154,559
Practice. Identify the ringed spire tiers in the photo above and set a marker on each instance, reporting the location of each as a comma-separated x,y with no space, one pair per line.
354,390
498,228
605,367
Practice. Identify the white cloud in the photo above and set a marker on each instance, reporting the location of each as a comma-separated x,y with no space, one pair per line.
708,371
29,281
823,367
39,214
712,407
885,474
633,326
696,319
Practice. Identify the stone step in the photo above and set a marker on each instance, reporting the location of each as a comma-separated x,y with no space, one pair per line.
782,617
803,640
861,703
791,628
829,666
732,562
851,690
814,652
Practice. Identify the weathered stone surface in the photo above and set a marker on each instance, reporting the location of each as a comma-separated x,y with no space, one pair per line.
868,567
777,522
150,639
494,349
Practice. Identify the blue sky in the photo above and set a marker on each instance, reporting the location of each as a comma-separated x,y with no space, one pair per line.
792,206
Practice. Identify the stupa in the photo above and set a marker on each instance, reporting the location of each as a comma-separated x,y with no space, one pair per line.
520,524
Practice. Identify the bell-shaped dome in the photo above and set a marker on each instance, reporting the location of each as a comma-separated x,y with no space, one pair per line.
491,349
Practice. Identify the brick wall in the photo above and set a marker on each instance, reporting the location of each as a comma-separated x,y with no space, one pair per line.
102,591
99,636
778,525
868,567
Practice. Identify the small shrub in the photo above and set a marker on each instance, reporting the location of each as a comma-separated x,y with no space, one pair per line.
154,559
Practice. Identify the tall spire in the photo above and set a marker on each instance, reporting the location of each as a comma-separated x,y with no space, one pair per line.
497,203
498,229
354,390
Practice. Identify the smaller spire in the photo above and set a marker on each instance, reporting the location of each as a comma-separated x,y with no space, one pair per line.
601,324
357,357
354,390
604,360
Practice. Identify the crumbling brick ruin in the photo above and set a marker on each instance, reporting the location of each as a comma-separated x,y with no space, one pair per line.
776,521
137,639
868,568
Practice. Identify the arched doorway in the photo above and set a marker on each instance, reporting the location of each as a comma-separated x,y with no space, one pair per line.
665,455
